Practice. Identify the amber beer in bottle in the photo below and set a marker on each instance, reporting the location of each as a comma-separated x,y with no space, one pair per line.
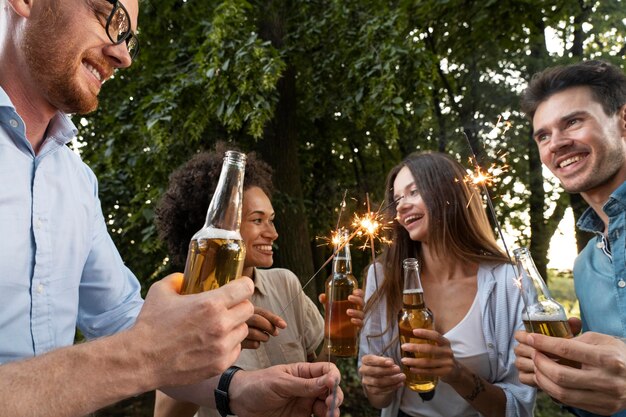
542,313
216,252
414,315
340,334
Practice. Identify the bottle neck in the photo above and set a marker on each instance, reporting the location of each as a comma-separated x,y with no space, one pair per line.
412,281
342,263
534,288
225,209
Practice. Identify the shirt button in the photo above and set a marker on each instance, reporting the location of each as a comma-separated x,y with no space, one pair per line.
621,283
13,123
600,245
490,345
39,289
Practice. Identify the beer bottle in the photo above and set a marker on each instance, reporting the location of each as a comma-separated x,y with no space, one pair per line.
414,315
541,313
341,336
216,252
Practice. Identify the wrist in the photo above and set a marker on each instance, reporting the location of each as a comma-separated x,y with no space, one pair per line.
222,397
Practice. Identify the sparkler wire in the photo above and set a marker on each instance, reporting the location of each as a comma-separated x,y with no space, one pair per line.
495,219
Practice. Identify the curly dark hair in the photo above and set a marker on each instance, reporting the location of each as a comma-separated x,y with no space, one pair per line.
181,211
607,83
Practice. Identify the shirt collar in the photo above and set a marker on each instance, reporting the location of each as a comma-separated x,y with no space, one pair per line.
259,281
61,128
591,222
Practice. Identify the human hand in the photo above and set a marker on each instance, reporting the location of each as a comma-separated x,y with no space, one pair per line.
292,390
261,326
524,353
186,338
356,314
432,358
599,386
524,359
380,376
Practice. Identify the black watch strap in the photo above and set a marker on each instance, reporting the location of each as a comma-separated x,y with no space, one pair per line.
222,402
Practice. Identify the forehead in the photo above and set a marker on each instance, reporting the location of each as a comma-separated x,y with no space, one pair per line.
255,199
564,102
403,180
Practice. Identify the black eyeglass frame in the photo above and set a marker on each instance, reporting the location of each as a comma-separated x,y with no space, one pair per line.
126,37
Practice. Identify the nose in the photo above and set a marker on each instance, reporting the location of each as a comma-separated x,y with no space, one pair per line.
558,140
402,204
118,55
270,232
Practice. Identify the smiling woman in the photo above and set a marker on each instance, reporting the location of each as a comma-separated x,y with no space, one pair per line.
181,212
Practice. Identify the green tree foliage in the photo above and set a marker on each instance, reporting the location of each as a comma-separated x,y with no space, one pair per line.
333,94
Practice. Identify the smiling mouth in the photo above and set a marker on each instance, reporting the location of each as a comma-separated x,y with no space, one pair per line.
412,219
570,161
264,248
100,77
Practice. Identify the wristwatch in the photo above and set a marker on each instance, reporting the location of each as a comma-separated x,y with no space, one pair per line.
221,392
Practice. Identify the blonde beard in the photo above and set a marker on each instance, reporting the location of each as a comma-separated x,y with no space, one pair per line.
52,65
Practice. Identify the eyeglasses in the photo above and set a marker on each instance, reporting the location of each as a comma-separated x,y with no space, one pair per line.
118,28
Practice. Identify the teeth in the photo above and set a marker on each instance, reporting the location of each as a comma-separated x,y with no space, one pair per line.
267,248
94,71
570,161
410,219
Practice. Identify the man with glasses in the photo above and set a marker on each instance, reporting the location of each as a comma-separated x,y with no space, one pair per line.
60,269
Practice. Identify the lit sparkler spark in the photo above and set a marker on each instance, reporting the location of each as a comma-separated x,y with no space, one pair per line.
371,225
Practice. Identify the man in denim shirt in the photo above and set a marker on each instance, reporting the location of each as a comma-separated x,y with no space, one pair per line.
579,125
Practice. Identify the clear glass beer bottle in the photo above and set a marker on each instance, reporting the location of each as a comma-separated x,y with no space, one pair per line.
541,313
216,252
340,334
414,315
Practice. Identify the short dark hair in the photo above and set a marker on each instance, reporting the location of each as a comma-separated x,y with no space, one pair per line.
607,83
181,211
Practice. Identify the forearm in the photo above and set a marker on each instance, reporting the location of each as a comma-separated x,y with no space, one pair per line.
486,398
201,393
74,381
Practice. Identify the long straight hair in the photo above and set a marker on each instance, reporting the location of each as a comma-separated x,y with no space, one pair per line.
458,227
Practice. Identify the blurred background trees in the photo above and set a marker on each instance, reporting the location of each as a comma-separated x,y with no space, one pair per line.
333,94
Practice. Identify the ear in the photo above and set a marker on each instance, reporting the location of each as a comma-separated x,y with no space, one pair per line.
22,7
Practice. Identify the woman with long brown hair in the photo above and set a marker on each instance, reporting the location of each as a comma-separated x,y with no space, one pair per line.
468,284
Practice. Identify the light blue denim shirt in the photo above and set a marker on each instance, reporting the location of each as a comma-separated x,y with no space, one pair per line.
600,269
59,267
600,273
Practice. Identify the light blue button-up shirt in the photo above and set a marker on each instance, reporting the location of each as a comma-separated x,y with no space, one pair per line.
59,267
600,273
600,269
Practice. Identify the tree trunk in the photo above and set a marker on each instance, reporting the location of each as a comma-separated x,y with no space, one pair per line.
279,148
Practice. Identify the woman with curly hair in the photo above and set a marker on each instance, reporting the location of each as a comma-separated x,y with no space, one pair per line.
467,283
181,212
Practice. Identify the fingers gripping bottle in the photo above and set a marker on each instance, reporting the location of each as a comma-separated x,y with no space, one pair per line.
216,252
414,315
340,334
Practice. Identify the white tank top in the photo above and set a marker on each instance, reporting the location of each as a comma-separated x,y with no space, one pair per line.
470,349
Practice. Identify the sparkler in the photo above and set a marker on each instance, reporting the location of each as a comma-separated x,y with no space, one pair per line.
483,178
369,224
